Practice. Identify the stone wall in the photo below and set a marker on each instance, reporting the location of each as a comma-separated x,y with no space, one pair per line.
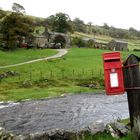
57,134
116,130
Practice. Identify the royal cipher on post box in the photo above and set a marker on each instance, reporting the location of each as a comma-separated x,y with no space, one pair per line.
113,73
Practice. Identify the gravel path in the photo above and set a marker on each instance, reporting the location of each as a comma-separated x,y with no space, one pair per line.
60,53
71,112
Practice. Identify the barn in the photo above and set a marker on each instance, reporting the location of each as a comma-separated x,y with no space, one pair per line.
117,45
52,38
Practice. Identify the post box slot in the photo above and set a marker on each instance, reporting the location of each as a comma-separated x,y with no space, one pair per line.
112,60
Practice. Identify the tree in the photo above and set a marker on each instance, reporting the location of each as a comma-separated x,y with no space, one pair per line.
60,23
18,8
133,32
105,26
2,13
50,21
14,27
89,24
78,41
79,25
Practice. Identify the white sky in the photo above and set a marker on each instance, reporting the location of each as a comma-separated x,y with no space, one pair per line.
117,13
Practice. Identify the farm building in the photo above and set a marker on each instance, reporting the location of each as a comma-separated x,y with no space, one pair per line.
52,38
117,45
40,41
62,38
94,43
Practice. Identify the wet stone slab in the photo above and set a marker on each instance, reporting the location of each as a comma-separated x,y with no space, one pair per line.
72,112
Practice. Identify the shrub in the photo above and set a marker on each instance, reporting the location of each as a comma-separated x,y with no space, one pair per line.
60,39
78,42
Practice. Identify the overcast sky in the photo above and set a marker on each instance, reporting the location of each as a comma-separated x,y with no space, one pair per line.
117,13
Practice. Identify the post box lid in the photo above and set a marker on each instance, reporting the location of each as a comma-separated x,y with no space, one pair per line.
111,55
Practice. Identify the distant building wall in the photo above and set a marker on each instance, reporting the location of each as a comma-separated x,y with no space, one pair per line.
40,41
117,45
43,41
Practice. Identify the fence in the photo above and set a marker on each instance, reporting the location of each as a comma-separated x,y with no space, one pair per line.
132,86
71,74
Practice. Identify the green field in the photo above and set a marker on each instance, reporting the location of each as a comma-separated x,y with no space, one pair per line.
23,55
73,73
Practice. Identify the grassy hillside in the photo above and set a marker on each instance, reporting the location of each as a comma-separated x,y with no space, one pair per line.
81,70
98,37
100,33
132,44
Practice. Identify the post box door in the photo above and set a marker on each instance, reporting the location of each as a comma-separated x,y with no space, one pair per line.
113,73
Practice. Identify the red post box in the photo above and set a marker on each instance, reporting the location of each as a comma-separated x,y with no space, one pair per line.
113,73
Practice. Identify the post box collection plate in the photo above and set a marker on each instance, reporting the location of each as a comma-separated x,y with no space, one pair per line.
114,80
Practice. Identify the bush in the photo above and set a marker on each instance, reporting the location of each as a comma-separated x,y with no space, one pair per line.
1,46
78,42
90,43
60,39
27,84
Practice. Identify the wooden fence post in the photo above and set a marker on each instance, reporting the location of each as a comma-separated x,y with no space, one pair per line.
51,73
132,86
30,76
62,73
92,72
41,75
73,72
19,77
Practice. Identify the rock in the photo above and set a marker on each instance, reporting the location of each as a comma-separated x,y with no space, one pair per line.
8,74
2,132
1,129
11,135
92,86
56,134
117,129
61,134
123,130
3,75
5,135
112,132
27,84
70,135
63,95
21,137
96,127
11,73
39,136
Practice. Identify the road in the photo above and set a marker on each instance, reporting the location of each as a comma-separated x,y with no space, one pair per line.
71,112
60,53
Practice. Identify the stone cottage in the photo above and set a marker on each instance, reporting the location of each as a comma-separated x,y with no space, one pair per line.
117,45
